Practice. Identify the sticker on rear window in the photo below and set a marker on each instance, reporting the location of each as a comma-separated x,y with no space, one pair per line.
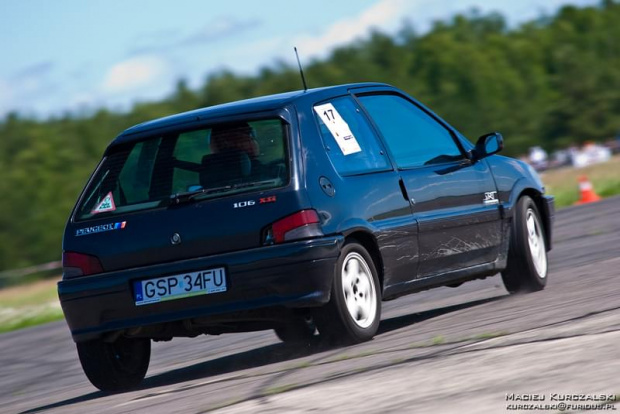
107,204
339,128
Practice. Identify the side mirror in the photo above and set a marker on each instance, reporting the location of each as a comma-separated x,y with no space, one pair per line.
488,144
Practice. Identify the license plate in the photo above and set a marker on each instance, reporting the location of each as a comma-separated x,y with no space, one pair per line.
161,289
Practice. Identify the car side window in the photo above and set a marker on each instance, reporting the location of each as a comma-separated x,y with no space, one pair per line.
364,152
190,147
135,175
413,136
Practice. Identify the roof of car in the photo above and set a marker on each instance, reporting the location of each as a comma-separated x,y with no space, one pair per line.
262,103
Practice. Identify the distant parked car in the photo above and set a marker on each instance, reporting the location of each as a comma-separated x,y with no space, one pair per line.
590,154
614,145
560,158
299,212
538,158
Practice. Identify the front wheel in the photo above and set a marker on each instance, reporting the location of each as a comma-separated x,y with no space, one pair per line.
527,265
115,366
354,311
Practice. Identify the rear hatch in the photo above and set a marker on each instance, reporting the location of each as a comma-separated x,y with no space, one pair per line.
185,194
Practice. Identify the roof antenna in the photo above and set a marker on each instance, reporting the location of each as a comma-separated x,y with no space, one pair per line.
301,71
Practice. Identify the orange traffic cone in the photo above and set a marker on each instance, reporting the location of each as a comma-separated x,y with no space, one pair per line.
588,195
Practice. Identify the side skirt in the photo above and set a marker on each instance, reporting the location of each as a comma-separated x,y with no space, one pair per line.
454,277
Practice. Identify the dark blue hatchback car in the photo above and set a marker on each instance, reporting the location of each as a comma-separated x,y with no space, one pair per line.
298,212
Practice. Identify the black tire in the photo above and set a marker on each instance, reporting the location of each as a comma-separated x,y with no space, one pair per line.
117,366
338,325
527,267
298,331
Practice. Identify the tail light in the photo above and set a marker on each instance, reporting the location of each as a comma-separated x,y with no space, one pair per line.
79,264
301,225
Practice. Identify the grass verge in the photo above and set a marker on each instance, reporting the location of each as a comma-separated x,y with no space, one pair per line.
29,305
563,184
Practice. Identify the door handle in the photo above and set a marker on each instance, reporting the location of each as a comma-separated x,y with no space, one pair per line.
403,190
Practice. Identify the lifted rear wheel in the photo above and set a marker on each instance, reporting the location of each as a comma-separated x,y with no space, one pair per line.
354,311
117,366
527,266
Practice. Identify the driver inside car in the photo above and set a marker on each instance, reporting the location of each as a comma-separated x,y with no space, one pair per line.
233,151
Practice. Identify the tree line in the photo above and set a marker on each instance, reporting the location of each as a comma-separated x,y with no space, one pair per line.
553,81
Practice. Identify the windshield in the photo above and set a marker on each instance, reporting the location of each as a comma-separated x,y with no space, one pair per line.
191,165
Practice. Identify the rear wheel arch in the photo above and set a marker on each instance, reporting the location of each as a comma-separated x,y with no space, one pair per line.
369,242
353,312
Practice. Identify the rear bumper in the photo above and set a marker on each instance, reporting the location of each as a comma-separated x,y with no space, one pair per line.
293,275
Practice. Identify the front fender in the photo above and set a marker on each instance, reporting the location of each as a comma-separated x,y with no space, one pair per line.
514,179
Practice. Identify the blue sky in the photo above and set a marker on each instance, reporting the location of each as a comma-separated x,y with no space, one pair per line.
76,55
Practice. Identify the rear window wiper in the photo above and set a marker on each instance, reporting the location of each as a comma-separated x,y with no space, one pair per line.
179,198
254,184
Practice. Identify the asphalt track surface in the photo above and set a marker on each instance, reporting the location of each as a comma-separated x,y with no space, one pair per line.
445,350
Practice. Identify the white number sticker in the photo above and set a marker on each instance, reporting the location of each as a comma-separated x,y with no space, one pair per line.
339,128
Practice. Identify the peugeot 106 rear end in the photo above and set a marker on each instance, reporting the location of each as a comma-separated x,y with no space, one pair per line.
299,212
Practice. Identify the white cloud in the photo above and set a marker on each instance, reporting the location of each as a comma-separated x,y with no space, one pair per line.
383,13
216,30
245,58
134,73
219,29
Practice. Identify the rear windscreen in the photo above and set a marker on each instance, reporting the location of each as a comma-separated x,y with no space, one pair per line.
189,165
